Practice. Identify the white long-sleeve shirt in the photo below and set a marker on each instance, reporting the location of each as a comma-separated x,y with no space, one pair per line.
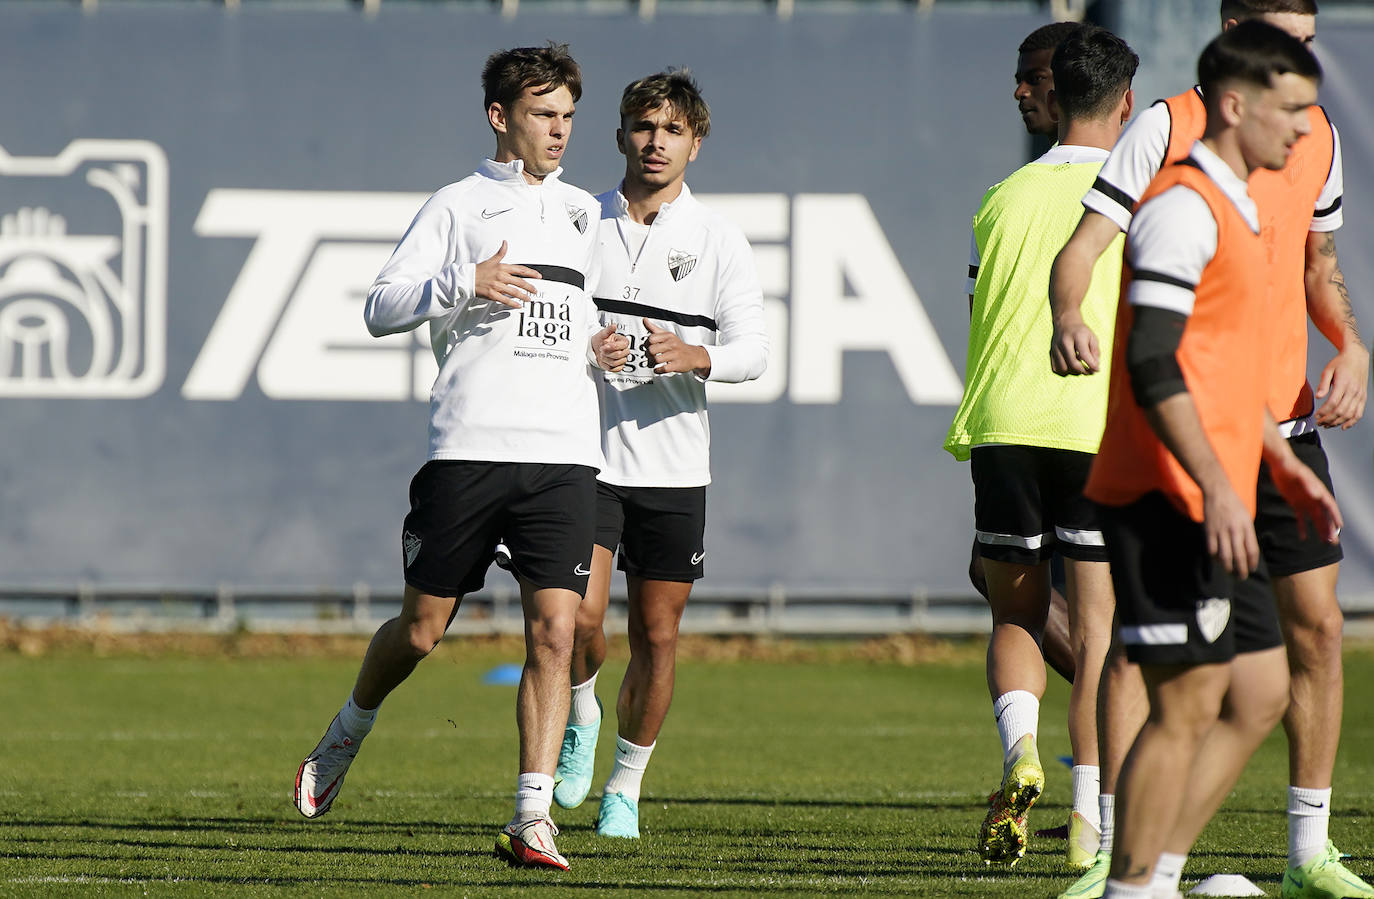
691,272
514,385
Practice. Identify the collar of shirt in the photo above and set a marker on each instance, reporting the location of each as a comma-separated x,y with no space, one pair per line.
1062,154
512,171
665,210
1231,184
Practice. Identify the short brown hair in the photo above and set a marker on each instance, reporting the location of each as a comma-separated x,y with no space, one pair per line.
675,87
1241,10
508,72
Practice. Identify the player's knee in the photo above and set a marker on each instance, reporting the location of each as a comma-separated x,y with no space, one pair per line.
422,637
552,632
1315,639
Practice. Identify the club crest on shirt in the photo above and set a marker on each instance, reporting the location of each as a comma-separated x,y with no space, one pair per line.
1212,615
578,216
680,264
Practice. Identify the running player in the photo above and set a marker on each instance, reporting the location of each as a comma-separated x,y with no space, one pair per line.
512,427
1176,476
1031,438
1301,213
680,281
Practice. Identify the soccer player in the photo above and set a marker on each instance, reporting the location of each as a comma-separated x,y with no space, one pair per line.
1187,424
1300,214
1031,437
679,281
498,264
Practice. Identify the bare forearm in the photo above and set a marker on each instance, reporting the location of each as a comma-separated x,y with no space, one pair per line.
1328,298
1072,272
1175,421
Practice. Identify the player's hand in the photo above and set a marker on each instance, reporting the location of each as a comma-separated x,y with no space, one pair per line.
668,353
1344,387
1073,348
503,283
611,349
1230,531
1310,499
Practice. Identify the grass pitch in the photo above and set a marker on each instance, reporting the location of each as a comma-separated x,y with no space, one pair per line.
818,772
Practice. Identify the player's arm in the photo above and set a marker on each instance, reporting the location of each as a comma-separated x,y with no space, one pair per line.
1074,348
1108,207
1159,387
1345,380
1303,490
740,352
418,283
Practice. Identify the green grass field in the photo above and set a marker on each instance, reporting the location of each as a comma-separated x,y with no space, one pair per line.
171,775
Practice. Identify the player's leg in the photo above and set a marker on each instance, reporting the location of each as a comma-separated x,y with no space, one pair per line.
1092,607
550,527
1304,569
577,757
1054,642
1185,701
662,556
1014,541
1122,707
446,544
1253,705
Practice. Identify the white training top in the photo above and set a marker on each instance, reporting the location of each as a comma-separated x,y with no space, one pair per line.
1174,236
1139,154
514,385
692,274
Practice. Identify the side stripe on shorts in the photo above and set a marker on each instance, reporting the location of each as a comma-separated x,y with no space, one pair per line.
1155,634
1033,542
1080,537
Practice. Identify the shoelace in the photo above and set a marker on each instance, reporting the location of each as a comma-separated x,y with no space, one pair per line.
570,740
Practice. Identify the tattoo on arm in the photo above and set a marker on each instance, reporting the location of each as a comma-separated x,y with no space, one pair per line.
1327,248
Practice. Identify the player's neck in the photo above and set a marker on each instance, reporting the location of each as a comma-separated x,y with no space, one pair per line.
1098,133
1227,147
644,200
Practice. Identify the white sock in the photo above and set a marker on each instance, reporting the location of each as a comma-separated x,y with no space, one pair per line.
583,709
1087,782
1118,890
1168,872
533,795
630,762
1106,811
1309,812
356,722
1018,714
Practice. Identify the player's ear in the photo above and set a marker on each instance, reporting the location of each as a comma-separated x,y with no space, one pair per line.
496,116
696,148
1052,101
620,139
1127,105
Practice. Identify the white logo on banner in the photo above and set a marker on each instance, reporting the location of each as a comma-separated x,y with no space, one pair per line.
294,316
83,271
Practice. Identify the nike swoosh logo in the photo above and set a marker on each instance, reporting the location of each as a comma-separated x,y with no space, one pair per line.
1312,804
488,214
697,557
581,571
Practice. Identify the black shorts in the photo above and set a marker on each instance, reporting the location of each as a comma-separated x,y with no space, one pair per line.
459,510
1276,524
1175,604
1028,502
659,530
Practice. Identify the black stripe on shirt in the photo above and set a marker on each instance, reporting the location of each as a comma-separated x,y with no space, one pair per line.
1328,210
1193,163
973,272
1115,194
668,315
559,273
1147,275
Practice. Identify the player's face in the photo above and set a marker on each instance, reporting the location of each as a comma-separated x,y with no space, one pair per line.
535,129
657,144
1274,119
1034,81
1302,27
